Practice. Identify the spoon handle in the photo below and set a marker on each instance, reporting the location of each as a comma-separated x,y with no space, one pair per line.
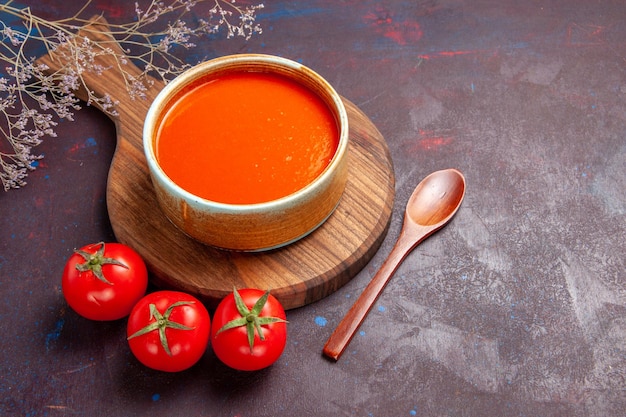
340,338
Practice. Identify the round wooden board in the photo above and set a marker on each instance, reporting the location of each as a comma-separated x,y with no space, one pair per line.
297,274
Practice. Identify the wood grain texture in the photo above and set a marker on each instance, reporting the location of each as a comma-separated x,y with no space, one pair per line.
298,274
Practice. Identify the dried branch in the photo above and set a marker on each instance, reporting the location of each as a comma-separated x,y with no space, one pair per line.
32,101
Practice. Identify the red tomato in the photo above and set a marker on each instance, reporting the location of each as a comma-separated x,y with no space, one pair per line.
104,281
249,330
169,330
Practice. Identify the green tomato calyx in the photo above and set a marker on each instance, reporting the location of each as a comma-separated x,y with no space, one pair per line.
94,262
250,318
162,322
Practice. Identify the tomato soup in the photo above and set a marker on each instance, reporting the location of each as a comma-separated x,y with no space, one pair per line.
246,137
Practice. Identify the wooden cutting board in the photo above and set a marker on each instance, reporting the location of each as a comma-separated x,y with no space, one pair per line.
298,274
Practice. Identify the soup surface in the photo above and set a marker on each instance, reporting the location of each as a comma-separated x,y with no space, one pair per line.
246,137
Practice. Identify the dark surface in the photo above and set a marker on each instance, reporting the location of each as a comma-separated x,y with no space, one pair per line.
517,308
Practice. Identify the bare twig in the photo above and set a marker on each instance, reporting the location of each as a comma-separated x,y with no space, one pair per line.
32,101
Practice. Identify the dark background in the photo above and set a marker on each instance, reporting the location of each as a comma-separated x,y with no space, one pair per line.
517,308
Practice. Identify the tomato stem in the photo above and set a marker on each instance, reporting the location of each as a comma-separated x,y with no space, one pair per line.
162,322
250,318
95,261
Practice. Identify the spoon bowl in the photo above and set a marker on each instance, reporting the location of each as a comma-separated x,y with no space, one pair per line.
436,199
433,203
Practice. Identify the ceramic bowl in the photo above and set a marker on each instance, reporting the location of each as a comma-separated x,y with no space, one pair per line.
256,226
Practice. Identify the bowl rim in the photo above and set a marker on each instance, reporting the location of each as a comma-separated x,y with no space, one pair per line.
162,100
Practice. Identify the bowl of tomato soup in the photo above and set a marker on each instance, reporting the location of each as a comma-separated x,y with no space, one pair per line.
247,152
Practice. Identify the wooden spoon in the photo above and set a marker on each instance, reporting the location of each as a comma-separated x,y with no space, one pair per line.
431,206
